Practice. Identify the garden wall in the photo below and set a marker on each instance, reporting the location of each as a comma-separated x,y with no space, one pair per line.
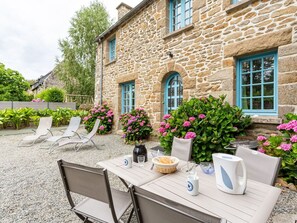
36,105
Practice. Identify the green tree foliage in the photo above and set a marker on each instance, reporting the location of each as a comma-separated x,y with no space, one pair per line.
77,65
53,94
13,86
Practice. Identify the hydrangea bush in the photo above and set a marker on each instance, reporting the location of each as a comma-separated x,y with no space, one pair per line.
135,125
104,113
284,146
211,122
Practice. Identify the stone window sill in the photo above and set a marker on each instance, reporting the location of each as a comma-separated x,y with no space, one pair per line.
111,62
239,5
266,119
177,32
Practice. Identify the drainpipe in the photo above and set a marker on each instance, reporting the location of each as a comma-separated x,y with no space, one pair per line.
101,75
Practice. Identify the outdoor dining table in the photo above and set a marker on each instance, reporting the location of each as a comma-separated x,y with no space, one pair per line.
254,206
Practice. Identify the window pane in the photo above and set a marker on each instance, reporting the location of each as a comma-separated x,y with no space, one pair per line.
256,77
257,64
245,103
257,90
269,76
268,62
268,90
268,103
246,79
256,103
246,91
245,66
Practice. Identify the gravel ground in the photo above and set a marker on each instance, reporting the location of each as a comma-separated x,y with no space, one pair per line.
31,189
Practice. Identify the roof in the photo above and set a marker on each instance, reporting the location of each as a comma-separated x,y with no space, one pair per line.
125,5
124,19
40,80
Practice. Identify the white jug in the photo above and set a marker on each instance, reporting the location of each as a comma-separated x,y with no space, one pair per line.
227,178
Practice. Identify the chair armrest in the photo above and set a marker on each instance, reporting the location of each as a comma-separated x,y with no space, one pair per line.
50,131
77,134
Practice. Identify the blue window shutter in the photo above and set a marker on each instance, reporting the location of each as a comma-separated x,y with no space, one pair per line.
257,90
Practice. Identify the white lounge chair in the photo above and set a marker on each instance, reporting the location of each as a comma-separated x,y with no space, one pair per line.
68,133
82,139
44,126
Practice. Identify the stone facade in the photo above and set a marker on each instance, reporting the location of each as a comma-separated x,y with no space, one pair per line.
204,52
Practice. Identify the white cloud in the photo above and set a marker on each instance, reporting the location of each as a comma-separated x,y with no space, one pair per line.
30,31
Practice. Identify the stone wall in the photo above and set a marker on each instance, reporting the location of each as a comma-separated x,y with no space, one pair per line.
204,53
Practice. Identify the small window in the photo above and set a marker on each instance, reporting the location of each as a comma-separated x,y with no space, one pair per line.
112,49
128,97
173,93
257,84
180,14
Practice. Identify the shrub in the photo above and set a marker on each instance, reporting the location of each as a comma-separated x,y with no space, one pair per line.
136,125
53,94
105,114
211,122
284,146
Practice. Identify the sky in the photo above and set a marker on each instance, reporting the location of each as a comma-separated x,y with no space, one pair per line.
30,30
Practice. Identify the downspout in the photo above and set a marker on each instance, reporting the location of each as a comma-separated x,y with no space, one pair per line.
101,75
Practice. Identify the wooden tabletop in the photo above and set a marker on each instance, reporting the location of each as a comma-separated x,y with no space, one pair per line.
136,175
254,206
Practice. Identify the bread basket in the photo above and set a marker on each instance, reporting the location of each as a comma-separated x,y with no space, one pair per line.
165,167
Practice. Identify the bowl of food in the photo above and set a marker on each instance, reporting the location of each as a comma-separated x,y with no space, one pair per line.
165,164
207,167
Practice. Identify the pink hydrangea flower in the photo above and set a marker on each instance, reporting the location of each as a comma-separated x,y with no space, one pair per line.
285,146
162,129
191,119
141,123
261,150
187,124
261,138
109,120
293,138
173,130
266,143
162,124
167,116
167,126
190,135
164,134
101,127
201,116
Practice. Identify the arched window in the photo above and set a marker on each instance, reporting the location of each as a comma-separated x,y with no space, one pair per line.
173,96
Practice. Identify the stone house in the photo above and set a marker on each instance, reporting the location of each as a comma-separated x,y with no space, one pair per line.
164,51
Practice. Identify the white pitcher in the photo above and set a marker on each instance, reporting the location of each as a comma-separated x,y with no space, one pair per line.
227,178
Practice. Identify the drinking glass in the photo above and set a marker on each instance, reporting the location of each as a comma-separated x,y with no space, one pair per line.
191,167
141,160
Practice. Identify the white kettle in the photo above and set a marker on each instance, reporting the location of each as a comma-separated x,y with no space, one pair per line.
226,171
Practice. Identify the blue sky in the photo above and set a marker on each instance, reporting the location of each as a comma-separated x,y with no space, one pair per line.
30,31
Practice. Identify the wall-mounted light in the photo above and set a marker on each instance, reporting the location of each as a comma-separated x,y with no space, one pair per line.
169,54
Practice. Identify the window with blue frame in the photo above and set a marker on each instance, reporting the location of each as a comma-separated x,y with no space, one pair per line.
234,1
180,14
173,96
257,84
112,49
128,97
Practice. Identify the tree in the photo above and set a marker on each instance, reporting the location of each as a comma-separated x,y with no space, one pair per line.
77,65
13,85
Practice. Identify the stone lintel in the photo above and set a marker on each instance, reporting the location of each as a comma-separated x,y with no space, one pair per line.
126,78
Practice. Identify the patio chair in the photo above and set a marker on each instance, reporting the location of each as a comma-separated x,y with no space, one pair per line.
152,208
182,148
44,126
82,139
260,167
68,133
101,202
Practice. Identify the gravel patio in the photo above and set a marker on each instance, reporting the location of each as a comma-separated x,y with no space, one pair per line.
31,189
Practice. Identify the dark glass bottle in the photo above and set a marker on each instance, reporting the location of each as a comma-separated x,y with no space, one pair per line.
139,150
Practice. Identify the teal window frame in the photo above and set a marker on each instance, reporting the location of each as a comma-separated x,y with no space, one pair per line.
234,1
128,97
253,84
180,14
112,49
177,96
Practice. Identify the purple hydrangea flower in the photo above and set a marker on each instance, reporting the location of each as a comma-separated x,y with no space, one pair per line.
167,116
261,138
190,135
285,146
293,138
187,124
202,116
191,119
